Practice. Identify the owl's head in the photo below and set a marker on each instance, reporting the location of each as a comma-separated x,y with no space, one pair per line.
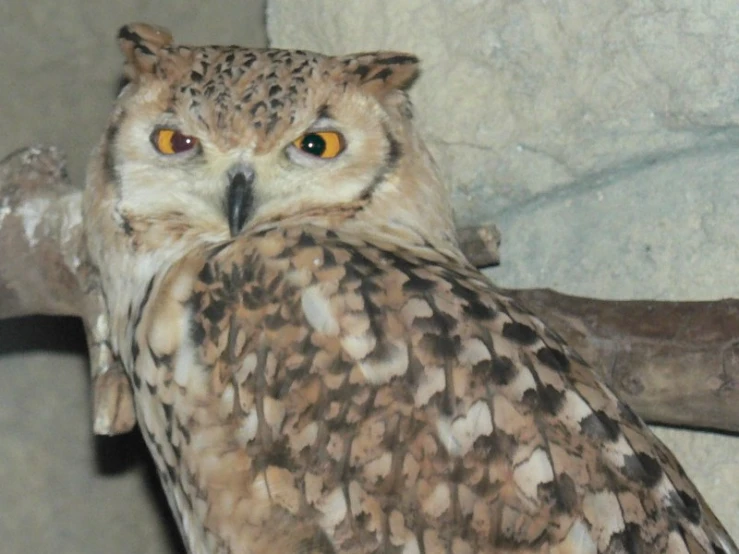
206,140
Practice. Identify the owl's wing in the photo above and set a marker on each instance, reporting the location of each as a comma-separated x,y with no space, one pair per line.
389,399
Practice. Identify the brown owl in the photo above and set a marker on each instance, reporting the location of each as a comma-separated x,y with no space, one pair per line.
316,367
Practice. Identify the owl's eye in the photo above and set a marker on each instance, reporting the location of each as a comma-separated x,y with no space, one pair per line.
321,144
170,141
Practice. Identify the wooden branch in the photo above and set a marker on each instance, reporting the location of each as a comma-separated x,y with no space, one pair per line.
40,236
480,244
673,362
44,270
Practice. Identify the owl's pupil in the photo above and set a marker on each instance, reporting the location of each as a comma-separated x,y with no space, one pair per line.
313,144
181,143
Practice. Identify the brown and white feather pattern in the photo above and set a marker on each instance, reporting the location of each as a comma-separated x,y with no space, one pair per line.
337,378
327,392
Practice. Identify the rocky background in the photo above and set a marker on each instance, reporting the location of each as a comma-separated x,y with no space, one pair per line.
601,138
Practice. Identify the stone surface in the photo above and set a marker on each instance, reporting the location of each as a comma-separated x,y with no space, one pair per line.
601,137
63,490
518,99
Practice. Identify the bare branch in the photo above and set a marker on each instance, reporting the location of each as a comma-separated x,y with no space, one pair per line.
672,362
44,269
40,236
480,244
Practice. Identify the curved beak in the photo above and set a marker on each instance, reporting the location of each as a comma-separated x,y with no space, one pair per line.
240,197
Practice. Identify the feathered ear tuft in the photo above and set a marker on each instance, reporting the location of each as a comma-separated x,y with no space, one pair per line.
140,44
380,72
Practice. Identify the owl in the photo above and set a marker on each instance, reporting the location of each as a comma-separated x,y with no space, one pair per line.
316,367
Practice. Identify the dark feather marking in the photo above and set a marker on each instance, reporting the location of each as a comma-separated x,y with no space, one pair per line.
599,425
125,33
142,306
126,226
642,467
197,333
546,398
397,60
554,359
206,274
688,506
395,151
473,306
109,161
630,540
160,360
520,333
503,370
567,494
418,285
392,156
383,74
136,380
627,414
362,71
215,311
322,113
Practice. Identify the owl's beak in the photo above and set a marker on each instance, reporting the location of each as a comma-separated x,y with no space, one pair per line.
240,197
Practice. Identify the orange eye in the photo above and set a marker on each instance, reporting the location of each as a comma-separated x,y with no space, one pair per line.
170,141
321,144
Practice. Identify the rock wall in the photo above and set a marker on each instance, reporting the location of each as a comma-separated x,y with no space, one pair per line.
601,137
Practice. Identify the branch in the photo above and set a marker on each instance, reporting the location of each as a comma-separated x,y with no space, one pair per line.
40,236
480,244
673,362
44,270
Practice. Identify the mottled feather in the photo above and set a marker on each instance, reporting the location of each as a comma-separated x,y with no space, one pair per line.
337,377
390,401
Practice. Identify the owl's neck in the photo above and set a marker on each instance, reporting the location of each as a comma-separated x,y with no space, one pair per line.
130,283
360,219
133,261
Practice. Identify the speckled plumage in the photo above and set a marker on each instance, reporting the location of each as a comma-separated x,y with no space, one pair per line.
337,377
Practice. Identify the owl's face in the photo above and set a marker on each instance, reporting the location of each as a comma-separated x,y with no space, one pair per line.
217,137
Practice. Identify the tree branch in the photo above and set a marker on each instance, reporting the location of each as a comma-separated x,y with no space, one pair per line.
672,362
44,270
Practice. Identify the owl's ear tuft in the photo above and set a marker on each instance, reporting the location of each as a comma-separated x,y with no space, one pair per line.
380,72
141,44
